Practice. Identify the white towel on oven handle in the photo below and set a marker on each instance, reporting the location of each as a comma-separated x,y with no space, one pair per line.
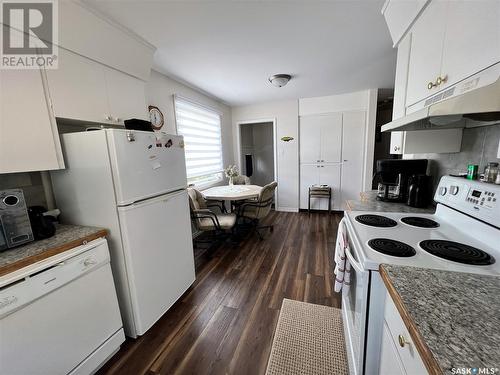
343,267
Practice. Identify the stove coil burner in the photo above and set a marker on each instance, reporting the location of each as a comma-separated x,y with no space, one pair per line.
376,221
421,222
391,247
457,252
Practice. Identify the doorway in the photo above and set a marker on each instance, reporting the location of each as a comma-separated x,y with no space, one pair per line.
256,151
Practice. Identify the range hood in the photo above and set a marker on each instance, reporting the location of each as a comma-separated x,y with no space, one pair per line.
470,103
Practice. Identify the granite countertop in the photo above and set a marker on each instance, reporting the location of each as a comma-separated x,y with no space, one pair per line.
368,202
66,237
456,315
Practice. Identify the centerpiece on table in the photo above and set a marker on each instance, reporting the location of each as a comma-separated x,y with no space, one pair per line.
231,172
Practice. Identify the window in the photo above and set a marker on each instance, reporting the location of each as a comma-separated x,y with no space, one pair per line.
201,128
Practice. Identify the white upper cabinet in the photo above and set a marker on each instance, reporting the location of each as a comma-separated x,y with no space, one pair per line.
321,138
427,37
451,40
400,14
126,96
78,88
82,89
29,140
472,40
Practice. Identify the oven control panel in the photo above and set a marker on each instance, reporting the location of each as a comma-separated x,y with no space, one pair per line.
475,198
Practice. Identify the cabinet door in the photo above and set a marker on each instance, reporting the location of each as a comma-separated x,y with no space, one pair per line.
309,175
397,143
399,15
126,96
330,174
426,51
390,363
472,40
331,138
78,89
310,134
353,141
401,80
29,140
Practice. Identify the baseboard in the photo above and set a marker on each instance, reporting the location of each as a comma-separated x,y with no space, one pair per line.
286,209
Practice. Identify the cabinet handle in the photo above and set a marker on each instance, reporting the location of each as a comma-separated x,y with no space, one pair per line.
441,80
322,161
402,341
317,161
109,118
430,85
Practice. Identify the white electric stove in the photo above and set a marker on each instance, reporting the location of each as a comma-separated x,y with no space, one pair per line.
462,236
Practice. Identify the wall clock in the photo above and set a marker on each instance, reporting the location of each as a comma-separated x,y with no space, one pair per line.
156,117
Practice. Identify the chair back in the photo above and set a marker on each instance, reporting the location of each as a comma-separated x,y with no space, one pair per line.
241,180
196,200
265,199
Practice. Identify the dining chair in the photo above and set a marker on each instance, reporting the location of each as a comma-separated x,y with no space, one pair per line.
255,211
241,180
206,220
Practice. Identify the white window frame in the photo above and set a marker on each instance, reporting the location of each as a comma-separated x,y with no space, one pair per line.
218,176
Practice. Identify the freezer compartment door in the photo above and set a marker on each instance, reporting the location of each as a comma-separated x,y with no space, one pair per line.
158,248
145,164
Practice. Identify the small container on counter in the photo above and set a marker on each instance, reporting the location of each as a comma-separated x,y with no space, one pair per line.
472,170
491,172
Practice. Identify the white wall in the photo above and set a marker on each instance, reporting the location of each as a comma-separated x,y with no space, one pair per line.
286,114
160,91
365,100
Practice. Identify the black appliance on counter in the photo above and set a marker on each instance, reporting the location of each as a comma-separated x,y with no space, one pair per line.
41,223
392,177
419,191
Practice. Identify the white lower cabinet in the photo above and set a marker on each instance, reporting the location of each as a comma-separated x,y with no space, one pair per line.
29,140
320,174
398,354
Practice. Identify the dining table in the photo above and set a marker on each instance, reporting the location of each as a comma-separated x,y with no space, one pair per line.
232,193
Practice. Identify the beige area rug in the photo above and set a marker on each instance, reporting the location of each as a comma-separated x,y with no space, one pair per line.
309,340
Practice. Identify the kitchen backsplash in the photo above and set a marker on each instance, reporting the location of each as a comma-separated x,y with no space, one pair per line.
29,182
479,146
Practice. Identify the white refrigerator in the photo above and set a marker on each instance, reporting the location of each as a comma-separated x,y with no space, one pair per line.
134,184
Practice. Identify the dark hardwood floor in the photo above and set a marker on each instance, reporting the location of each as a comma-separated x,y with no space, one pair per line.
224,323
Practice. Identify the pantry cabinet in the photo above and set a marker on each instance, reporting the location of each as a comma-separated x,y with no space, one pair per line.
332,148
451,41
319,138
82,89
29,140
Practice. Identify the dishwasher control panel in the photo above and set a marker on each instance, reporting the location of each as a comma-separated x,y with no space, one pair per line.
35,285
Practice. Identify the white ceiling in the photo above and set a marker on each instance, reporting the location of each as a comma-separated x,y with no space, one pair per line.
229,48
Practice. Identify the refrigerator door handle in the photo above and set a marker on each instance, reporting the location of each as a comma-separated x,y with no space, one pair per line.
149,201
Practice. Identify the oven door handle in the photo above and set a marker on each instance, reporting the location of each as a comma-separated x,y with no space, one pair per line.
354,264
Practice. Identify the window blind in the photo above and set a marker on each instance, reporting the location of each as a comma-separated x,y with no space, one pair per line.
201,128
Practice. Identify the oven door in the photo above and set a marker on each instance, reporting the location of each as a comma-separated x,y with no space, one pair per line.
354,310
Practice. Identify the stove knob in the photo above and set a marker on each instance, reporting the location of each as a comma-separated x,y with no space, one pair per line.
453,190
442,190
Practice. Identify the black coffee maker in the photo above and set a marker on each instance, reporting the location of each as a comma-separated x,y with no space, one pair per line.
392,175
419,191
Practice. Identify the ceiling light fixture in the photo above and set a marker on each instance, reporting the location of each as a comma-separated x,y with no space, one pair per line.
280,80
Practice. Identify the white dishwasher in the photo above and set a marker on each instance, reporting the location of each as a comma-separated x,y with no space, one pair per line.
61,315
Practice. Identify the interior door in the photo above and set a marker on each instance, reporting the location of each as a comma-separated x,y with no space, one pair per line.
126,96
158,255
145,164
353,140
77,88
330,174
426,51
310,135
309,175
331,138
